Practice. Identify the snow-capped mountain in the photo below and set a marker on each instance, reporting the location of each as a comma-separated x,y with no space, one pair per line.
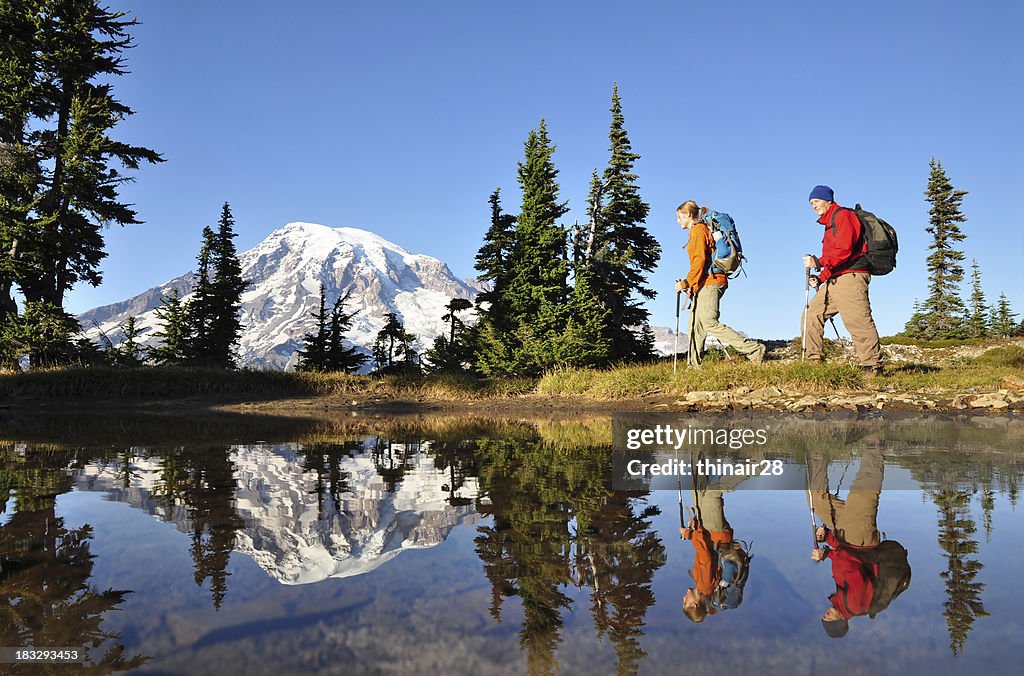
287,532
285,272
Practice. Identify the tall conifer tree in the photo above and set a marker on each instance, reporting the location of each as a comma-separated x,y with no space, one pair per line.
227,287
943,312
538,287
623,251
78,47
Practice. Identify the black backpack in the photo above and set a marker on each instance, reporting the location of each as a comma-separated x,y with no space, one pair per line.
880,240
893,573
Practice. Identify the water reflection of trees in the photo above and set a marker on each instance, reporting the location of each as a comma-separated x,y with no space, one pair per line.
45,595
202,481
557,523
963,592
952,483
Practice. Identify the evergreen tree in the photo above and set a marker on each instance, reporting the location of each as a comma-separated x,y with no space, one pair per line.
392,349
173,313
538,269
43,332
585,341
492,260
943,311
129,352
200,308
313,357
212,317
339,357
20,166
450,354
977,323
492,344
622,251
226,288
324,349
76,48
1003,324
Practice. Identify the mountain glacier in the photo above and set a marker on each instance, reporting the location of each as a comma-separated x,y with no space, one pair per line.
285,272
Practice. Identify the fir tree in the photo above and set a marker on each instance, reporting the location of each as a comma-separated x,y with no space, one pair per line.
392,349
200,308
77,48
1003,324
977,322
313,356
943,310
450,354
623,252
491,335
325,350
173,335
339,357
212,317
129,352
538,269
492,260
43,332
227,287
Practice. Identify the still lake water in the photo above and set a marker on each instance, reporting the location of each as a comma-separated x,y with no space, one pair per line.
475,547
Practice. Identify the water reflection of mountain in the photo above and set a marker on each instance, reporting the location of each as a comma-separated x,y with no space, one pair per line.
291,529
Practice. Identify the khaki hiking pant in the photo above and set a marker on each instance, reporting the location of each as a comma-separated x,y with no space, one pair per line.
847,296
704,322
855,519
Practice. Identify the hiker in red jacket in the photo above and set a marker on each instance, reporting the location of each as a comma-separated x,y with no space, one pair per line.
850,526
842,283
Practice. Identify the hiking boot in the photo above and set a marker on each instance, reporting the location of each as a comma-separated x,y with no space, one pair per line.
757,356
872,371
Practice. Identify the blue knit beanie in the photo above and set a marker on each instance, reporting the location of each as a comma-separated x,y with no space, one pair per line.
822,192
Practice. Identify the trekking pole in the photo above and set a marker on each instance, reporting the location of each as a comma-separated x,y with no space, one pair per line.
675,345
832,320
807,307
682,510
810,502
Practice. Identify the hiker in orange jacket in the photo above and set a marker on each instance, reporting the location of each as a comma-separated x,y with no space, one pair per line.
705,289
710,533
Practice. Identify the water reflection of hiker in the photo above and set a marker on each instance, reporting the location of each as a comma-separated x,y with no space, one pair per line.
869,572
720,562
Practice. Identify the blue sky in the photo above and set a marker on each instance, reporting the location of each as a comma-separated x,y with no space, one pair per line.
402,117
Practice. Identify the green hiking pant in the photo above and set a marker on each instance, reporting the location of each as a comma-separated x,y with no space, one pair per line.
704,322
